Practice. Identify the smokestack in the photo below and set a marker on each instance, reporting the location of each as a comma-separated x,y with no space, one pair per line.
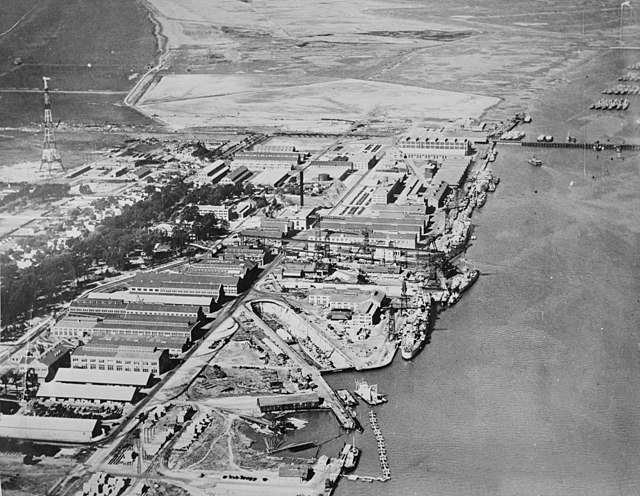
301,189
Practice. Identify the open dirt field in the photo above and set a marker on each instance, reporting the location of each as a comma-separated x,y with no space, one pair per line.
271,53
231,100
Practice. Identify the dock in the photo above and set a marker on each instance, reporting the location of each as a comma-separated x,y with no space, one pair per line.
559,144
382,450
366,478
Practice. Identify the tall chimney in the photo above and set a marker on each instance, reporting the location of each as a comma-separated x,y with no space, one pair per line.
301,189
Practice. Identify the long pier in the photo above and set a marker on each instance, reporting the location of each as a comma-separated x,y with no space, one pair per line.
382,450
559,144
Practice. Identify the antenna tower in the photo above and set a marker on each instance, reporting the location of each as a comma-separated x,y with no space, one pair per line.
50,155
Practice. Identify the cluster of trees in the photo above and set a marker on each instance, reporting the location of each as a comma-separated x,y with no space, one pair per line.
49,280
47,191
53,277
215,195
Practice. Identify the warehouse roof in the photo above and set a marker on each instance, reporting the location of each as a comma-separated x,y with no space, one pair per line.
10,424
144,353
98,302
120,342
203,301
175,280
86,391
162,307
103,377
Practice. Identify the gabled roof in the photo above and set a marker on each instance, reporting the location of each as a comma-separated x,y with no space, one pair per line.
86,391
103,377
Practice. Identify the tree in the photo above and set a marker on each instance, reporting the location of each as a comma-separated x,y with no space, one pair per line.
190,213
179,239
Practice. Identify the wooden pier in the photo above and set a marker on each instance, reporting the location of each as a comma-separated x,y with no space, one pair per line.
559,144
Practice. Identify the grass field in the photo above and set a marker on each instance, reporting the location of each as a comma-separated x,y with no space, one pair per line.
59,39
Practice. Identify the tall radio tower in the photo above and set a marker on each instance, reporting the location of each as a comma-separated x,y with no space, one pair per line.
50,155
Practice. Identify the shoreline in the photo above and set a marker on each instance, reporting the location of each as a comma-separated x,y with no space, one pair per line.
149,78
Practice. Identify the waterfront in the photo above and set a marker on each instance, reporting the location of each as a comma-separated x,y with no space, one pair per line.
529,383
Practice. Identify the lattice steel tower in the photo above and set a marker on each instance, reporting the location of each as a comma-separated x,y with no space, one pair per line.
50,155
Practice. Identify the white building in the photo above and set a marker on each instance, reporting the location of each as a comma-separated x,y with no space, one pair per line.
426,144
222,212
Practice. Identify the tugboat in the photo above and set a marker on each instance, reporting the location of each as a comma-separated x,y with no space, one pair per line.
535,161
346,397
349,456
369,393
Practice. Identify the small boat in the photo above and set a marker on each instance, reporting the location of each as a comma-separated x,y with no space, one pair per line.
481,199
346,397
349,456
535,161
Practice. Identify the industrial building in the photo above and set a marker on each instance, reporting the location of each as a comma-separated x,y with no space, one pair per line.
60,391
245,253
237,176
246,270
271,178
301,218
174,345
174,284
120,357
210,174
97,306
282,224
46,364
452,171
103,307
322,174
273,148
364,306
271,237
282,402
392,230
434,145
259,160
103,377
437,194
386,191
51,429
297,471
140,325
222,212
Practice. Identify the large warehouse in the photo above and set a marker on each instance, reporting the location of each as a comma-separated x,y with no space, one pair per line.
66,430
86,392
103,377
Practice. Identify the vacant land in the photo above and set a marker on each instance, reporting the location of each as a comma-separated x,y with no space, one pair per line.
291,65
229,100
